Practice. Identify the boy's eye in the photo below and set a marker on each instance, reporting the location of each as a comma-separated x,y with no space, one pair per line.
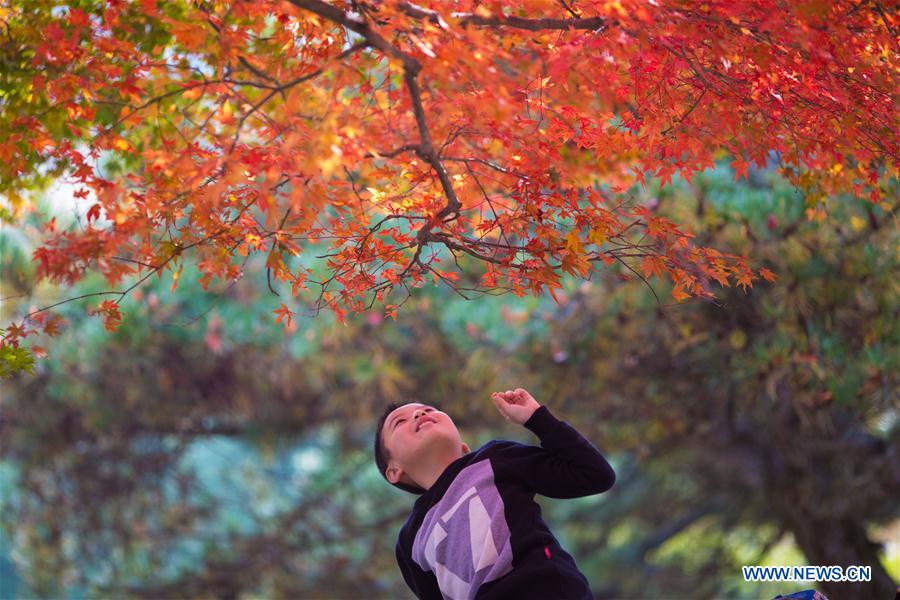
398,421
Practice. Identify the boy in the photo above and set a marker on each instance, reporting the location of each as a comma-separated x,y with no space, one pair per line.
475,531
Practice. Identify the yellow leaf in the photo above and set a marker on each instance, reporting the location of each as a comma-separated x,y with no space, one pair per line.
573,241
328,165
737,339
597,236
375,195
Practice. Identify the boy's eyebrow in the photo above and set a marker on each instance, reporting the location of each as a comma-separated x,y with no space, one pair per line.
390,425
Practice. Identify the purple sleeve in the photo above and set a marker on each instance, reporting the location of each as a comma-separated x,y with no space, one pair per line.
566,465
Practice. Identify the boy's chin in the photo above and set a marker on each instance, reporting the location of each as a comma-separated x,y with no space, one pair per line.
439,441
429,437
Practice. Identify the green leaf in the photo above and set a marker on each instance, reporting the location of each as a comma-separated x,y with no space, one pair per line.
15,360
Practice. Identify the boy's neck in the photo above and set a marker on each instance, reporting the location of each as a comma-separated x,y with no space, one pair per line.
429,469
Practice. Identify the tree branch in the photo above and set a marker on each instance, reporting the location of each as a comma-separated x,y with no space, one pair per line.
413,10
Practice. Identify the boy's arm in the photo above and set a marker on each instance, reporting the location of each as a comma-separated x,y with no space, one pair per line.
567,465
422,583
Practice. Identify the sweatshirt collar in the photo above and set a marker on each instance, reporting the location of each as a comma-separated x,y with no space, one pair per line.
443,481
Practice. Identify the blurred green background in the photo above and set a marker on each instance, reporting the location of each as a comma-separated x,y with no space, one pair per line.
203,451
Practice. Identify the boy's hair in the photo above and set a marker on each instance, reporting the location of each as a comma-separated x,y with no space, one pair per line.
382,455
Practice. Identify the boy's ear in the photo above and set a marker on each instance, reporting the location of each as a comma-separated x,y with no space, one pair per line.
393,474
465,448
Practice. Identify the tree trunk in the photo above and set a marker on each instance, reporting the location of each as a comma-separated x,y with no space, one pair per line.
844,543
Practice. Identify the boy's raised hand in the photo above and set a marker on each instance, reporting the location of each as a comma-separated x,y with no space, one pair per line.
515,405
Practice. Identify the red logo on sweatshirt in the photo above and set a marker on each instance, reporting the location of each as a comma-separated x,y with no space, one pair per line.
547,551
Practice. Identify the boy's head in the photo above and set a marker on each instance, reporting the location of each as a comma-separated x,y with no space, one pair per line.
401,441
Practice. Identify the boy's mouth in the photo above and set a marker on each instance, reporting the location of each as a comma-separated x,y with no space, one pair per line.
422,422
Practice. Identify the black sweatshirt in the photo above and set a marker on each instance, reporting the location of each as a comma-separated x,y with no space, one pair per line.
478,533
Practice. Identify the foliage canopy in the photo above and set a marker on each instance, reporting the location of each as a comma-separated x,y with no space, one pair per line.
390,138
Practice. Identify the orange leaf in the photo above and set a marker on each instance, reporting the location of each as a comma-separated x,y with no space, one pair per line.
284,313
767,274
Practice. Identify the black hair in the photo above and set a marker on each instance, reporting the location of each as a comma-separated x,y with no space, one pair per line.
383,455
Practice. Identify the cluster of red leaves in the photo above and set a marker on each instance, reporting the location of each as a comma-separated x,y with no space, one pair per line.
505,131
40,323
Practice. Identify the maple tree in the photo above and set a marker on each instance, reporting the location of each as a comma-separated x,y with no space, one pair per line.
403,137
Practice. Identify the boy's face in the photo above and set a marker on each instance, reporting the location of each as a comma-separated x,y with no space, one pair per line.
413,434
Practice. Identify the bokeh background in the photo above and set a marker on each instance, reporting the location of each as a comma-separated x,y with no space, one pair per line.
202,451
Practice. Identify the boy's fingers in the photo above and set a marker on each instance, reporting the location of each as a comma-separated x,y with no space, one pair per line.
498,402
509,396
